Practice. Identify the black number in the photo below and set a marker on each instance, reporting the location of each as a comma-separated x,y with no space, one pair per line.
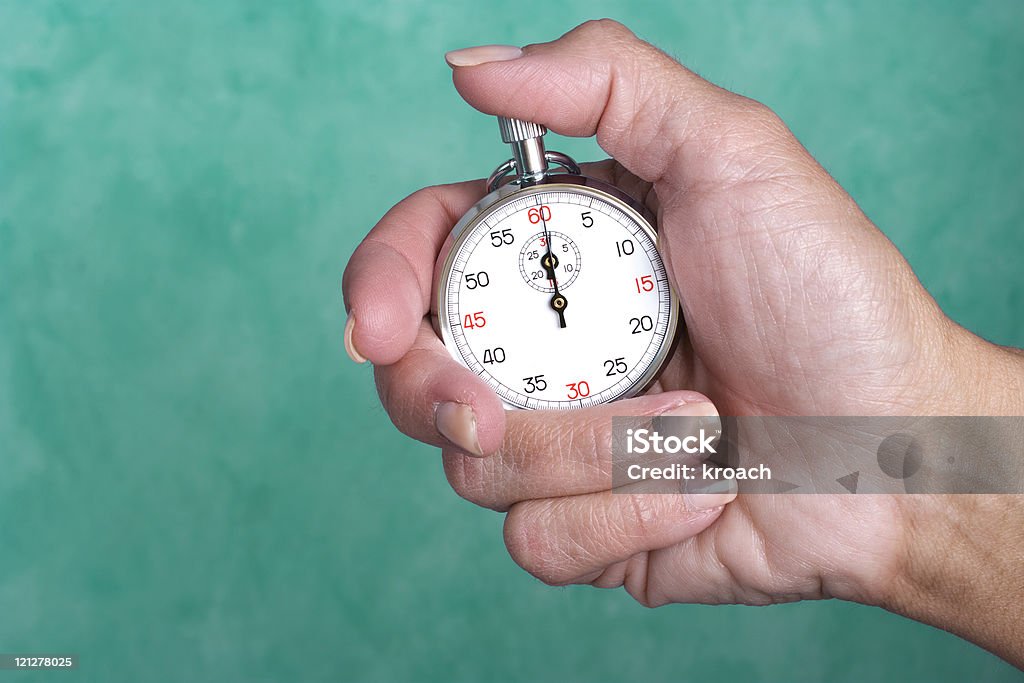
495,355
587,220
535,383
625,248
500,237
538,275
565,248
642,324
533,255
616,366
481,279
568,267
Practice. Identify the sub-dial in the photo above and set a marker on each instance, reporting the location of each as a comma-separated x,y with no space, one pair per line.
565,261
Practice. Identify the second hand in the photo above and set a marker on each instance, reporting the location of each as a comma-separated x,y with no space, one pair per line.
558,301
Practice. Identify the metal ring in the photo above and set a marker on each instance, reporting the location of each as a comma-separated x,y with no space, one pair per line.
563,160
556,158
495,178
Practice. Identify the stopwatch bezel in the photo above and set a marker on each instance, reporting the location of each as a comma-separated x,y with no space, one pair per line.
578,183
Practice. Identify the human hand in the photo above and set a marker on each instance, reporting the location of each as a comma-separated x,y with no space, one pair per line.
795,304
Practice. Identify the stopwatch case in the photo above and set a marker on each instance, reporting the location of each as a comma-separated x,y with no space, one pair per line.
569,181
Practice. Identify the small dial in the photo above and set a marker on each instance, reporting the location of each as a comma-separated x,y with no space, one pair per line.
565,261
542,346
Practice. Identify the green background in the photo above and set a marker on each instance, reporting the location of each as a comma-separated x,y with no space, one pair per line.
195,482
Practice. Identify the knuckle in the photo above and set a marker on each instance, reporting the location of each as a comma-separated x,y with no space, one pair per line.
530,546
753,123
591,446
424,201
401,387
761,117
431,193
749,143
638,515
640,593
470,479
637,581
606,29
439,197
580,445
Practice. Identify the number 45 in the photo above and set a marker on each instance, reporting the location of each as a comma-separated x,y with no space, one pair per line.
473,320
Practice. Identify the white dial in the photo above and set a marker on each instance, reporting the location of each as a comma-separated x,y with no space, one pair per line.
557,297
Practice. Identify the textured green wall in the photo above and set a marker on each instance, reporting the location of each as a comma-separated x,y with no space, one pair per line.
195,483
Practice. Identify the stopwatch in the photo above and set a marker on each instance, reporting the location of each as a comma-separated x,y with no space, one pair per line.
551,288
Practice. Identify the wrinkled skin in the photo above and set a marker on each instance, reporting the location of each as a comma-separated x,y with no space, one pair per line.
794,302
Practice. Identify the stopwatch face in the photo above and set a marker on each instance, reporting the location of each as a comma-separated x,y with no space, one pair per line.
557,297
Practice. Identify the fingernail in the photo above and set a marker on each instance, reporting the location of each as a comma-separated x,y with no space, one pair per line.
472,56
701,494
690,419
350,346
709,495
457,423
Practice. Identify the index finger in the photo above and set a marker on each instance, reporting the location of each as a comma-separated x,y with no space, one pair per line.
387,282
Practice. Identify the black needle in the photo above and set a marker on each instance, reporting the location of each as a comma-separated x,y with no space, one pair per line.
550,262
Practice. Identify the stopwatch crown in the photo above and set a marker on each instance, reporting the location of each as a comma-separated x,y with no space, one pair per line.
517,130
530,161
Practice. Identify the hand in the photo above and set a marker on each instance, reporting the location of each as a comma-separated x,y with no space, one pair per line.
795,304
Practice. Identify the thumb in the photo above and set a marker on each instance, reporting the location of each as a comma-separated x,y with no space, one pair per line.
660,120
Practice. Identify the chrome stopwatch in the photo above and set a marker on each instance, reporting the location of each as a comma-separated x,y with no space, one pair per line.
551,287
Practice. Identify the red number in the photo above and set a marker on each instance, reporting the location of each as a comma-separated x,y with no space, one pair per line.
472,320
578,389
537,214
644,284
543,242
